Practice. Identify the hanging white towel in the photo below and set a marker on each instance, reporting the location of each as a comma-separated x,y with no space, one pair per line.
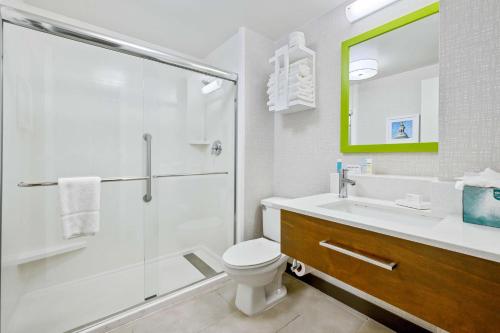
80,200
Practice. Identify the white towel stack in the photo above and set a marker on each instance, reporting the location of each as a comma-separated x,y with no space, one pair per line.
300,84
80,200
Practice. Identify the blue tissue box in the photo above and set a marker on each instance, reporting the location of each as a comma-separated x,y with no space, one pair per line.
481,205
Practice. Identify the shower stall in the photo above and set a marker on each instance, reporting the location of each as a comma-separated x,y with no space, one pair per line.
158,129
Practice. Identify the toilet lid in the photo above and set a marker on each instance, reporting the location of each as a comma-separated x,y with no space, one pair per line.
251,253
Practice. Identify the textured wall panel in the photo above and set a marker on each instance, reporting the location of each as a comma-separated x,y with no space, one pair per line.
469,86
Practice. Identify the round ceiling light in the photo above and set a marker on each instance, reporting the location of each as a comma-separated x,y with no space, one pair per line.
363,69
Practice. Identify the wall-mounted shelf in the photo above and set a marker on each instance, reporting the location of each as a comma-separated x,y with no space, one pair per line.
31,256
292,85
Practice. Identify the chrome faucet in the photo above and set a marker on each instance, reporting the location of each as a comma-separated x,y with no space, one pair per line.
343,181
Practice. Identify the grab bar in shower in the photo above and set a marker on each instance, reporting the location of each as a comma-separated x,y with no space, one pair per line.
148,196
126,179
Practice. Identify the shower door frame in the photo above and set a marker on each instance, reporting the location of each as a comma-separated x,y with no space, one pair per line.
44,24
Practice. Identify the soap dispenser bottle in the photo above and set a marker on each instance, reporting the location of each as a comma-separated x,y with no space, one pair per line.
339,165
368,166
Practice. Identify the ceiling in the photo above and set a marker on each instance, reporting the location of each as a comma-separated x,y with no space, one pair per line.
410,47
193,27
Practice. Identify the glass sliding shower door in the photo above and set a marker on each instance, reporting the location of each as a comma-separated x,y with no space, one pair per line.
71,109
191,215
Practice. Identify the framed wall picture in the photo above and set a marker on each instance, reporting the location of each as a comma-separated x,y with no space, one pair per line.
403,129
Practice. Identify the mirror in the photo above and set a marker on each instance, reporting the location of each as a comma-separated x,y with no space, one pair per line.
390,86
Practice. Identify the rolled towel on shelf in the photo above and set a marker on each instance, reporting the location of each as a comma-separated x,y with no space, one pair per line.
272,82
294,92
273,74
80,202
294,79
300,90
304,97
301,85
307,94
304,61
272,88
301,70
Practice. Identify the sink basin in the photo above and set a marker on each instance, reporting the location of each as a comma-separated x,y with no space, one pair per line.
394,214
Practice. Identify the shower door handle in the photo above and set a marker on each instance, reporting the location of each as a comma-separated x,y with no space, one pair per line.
147,197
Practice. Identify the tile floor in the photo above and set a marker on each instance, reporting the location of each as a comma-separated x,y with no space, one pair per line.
304,310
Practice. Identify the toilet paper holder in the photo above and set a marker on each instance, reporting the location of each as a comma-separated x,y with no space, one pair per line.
299,268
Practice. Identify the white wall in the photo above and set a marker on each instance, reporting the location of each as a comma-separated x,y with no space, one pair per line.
429,112
390,96
469,111
247,53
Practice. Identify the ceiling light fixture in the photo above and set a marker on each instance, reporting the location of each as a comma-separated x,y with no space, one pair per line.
363,69
361,8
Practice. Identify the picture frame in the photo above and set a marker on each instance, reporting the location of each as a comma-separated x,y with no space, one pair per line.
403,129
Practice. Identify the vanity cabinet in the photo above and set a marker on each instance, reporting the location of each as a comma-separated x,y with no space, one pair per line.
454,291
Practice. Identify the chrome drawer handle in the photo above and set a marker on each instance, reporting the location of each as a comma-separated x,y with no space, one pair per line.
389,265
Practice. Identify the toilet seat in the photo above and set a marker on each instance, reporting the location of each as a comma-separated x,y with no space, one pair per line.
252,254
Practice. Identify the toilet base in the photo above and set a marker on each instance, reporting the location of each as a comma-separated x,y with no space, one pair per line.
252,300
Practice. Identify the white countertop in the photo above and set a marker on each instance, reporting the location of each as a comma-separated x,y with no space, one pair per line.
450,233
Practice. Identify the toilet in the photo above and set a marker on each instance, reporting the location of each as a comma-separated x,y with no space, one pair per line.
257,265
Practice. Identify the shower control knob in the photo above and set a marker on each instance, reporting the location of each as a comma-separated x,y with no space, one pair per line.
216,148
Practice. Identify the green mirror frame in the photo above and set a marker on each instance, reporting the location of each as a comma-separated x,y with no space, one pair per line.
345,147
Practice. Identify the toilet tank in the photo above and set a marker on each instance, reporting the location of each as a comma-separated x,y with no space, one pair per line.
271,218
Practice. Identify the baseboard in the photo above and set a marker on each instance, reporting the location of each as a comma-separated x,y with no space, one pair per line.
375,312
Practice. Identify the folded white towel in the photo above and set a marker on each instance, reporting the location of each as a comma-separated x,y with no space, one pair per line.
301,70
301,96
301,90
294,91
80,200
272,88
303,61
301,85
272,82
293,85
486,178
293,79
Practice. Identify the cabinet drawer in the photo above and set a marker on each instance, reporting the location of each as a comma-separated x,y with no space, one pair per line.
456,292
